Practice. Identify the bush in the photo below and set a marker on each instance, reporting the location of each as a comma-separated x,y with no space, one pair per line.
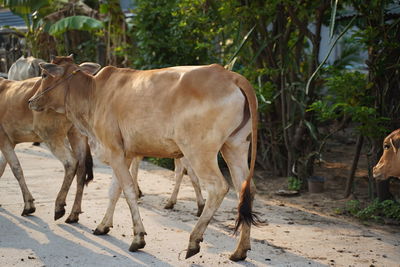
376,211
294,183
348,97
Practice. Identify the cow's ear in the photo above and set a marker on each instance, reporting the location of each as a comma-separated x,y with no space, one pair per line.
52,69
90,67
393,146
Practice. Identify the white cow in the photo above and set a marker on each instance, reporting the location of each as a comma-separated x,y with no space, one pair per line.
24,68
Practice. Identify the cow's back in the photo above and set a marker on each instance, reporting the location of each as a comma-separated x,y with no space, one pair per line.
15,116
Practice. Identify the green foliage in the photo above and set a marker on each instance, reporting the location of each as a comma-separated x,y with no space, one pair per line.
173,32
272,45
25,8
162,162
31,12
349,96
294,183
265,91
353,207
375,211
81,23
86,51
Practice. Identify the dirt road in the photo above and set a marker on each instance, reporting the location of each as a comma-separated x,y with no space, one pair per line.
288,237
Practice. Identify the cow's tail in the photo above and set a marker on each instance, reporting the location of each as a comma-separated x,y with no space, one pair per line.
245,212
88,165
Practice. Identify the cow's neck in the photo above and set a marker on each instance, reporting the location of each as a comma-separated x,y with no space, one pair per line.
78,103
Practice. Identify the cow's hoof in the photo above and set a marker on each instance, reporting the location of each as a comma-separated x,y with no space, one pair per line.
59,214
237,256
26,212
200,210
135,246
192,251
169,206
71,220
101,232
140,193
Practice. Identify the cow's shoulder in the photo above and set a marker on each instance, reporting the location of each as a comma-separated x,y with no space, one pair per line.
4,84
4,81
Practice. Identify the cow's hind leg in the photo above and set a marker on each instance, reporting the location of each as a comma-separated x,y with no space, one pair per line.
205,165
180,166
179,170
235,152
196,186
134,173
7,148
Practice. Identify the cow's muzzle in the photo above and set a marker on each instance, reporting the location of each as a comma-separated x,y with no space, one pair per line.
33,105
378,173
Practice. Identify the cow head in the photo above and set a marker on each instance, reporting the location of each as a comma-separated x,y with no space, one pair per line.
56,79
389,163
51,90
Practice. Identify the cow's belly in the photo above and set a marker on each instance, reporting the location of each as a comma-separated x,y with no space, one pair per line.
151,145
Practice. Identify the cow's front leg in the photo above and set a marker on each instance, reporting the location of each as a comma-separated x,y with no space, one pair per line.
64,154
114,192
3,164
81,151
120,166
7,148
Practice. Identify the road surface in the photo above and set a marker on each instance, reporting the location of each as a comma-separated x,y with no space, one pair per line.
289,236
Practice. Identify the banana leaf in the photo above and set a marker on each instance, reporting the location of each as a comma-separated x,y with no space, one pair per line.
81,23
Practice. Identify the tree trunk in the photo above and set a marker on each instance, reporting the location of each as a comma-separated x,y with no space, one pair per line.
350,179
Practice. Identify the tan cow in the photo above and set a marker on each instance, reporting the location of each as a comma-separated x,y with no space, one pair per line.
195,111
389,163
20,124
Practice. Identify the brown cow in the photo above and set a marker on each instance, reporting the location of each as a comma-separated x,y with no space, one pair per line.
389,163
195,111
20,124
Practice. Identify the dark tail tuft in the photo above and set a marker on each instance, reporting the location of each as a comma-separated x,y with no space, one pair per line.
89,166
245,213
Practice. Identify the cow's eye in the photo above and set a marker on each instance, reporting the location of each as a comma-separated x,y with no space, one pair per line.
386,146
44,75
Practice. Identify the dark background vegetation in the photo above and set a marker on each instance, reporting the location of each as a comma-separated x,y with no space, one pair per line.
303,99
